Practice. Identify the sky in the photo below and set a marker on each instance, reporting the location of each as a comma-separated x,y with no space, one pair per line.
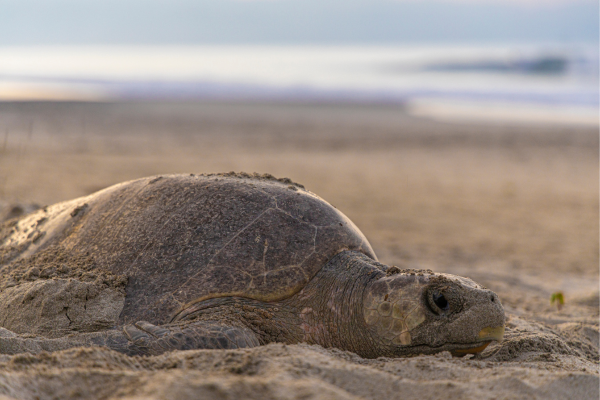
308,22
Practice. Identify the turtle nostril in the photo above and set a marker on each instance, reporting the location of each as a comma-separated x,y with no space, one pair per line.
493,298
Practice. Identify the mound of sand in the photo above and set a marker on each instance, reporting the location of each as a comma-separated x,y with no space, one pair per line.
547,368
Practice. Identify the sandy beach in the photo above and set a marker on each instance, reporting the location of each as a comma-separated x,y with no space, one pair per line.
513,206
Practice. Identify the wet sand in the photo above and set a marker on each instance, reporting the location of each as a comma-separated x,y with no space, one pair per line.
514,207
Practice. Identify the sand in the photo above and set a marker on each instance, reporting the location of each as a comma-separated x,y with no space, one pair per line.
514,207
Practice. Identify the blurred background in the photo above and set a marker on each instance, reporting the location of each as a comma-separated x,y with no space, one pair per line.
458,135
449,59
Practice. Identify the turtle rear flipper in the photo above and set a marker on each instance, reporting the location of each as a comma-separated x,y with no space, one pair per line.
141,338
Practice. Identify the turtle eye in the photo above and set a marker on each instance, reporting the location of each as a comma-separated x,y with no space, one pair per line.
438,302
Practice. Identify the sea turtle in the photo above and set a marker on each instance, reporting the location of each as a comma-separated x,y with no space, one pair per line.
222,261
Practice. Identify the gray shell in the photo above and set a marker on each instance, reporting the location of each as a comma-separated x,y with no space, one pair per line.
180,239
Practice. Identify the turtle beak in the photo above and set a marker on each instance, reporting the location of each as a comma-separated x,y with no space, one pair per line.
492,333
486,335
474,350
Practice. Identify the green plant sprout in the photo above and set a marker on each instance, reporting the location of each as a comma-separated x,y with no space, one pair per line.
559,298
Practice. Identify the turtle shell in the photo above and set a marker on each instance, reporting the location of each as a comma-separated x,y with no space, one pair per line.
180,239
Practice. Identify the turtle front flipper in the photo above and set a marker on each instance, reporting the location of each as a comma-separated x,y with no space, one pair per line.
141,338
152,339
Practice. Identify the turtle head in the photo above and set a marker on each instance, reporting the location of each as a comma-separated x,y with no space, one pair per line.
421,312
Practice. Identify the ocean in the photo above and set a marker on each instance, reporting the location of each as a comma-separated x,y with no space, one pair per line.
550,82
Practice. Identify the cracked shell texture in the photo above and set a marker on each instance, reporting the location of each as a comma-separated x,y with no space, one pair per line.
180,239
